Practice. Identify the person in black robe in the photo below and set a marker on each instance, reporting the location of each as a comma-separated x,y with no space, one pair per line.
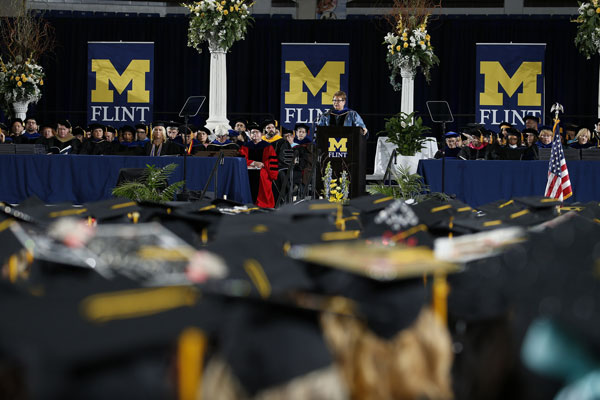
64,142
451,148
545,139
93,145
582,139
474,148
532,150
30,135
111,145
513,150
186,137
159,146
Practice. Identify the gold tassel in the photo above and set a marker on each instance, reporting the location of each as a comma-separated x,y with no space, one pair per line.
190,359
440,297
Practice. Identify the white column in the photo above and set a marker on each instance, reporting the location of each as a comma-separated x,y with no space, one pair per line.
408,72
20,109
217,98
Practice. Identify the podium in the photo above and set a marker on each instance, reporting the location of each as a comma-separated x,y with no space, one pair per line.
345,148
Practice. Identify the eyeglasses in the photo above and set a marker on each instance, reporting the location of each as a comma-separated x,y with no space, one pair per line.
338,100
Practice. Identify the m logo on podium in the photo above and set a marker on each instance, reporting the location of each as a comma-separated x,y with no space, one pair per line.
509,83
120,82
338,147
310,75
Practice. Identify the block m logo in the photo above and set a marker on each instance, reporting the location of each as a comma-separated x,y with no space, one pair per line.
338,144
495,75
300,74
135,73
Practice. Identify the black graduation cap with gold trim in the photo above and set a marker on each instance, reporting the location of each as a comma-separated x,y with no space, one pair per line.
113,210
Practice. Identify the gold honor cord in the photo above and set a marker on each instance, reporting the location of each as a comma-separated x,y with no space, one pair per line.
383,199
492,223
440,297
330,206
190,359
343,235
65,213
136,303
207,208
519,214
159,253
257,274
506,204
123,205
409,232
440,208
463,209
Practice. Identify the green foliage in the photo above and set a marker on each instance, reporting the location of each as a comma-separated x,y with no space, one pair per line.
587,39
406,134
410,186
154,188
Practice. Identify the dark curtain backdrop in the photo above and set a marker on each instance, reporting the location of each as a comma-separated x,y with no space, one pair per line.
254,65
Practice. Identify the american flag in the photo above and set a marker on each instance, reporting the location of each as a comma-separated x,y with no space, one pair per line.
559,184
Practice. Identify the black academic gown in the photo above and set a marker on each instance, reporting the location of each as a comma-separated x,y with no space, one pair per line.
92,146
450,153
470,153
56,144
167,149
27,138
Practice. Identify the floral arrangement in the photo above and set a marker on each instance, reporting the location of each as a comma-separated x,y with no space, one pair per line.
588,29
224,22
20,81
24,39
335,190
409,44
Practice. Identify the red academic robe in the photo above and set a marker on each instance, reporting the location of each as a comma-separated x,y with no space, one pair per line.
265,153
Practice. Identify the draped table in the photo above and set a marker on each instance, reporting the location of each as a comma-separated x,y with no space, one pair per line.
479,182
81,178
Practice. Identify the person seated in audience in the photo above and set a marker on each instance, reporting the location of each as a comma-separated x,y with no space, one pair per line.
569,133
203,135
513,150
88,133
159,146
172,131
451,148
111,145
595,135
186,137
63,139
16,128
270,131
128,146
532,151
222,136
582,139
79,133
237,137
545,140
4,138
239,125
474,148
260,155
532,122
30,134
302,131
503,127
91,146
141,135
47,132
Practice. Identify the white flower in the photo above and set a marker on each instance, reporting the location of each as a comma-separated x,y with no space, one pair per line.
413,44
391,38
403,124
423,47
590,12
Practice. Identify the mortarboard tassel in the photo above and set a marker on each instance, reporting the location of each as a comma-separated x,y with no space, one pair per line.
480,138
440,297
151,134
189,150
521,137
190,358
491,138
12,268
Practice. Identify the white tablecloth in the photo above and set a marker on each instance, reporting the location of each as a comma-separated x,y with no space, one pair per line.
384,152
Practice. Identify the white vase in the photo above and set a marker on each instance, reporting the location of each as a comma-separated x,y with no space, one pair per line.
410,162
20,108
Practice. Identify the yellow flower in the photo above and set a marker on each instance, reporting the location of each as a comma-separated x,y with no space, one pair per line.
405,44
11,77
237,8
231,9
22,76
428,37
202,15
24,79
398,48
17,79
14,71
598,10
41,82
223,3
225,12
19,84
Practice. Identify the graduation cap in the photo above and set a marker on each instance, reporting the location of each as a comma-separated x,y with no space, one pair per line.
233,133
532,117
12,121
371,203
78,131
141,126
64,123
242,120
504,124
205,130
95,126
286,131
530,131
268,122
451,134
127,128
111,129
252,125
159,123
306,127
173,125
113,210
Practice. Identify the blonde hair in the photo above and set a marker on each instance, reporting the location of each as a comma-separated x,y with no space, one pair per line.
412,365
583,132
160,129
546,131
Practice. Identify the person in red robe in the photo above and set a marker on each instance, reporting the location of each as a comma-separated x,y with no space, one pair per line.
263,167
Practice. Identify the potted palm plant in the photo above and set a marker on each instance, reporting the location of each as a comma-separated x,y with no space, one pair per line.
407,133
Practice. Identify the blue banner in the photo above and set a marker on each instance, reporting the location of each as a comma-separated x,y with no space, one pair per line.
510,83
120,83
310,75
